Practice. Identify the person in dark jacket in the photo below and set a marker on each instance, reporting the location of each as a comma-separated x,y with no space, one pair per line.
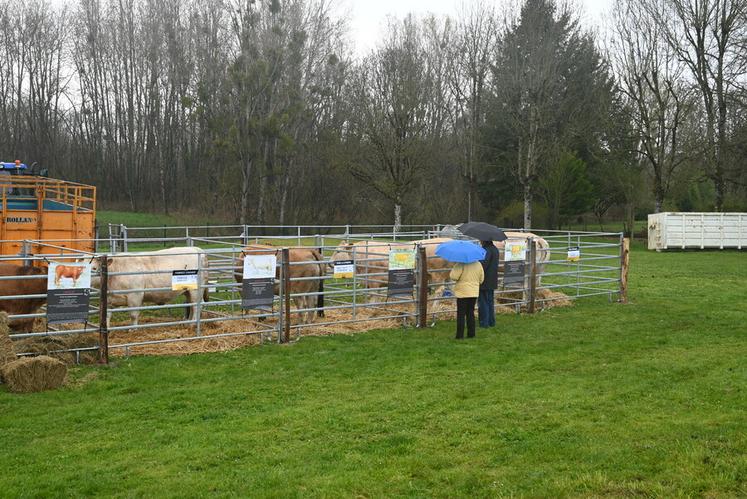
486,300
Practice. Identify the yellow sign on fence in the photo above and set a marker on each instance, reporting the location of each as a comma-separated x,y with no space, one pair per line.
401,259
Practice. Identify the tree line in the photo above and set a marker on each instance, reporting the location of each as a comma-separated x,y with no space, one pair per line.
261,111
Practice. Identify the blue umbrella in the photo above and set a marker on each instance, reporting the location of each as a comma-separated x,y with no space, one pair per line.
460,251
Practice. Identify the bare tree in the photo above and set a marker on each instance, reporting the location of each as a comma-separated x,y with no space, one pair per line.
547,82
469,76
710,38
650,76
391,96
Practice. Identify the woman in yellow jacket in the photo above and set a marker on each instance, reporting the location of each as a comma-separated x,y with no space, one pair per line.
467,278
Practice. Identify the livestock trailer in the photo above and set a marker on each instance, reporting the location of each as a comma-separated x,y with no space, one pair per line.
697,230
38,208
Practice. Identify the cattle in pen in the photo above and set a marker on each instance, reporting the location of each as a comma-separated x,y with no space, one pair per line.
25,281
145,277
306,273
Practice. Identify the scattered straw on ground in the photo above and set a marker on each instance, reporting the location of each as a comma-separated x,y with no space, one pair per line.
57,346
545,298
34,374
366,319
185,347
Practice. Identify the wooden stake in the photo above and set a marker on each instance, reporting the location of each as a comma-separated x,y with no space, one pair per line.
103,310
532,275
422,287
286,296
624,263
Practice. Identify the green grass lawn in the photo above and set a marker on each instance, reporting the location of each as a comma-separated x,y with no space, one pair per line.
600,399
132,219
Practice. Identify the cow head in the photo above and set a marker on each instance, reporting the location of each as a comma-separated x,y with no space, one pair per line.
343,251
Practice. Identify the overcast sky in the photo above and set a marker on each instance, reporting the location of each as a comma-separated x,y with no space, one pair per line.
368,16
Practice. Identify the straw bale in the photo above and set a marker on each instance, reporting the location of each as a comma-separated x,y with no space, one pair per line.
34,374
7,353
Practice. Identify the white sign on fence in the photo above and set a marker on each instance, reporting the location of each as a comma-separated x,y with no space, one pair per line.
182,280
574,254
259,281
515,250
68,292
344,269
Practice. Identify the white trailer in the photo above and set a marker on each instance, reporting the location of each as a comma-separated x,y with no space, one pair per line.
697,230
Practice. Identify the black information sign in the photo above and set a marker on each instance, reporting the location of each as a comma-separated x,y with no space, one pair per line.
258,293
401,281
67,305
513,274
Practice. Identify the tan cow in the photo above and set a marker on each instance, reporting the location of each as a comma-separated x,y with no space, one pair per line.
371,260
305,273
146,278
372,257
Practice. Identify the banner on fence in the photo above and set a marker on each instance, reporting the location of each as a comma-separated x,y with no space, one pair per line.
401,271
574,254
68,292
183,280
344,269
258,281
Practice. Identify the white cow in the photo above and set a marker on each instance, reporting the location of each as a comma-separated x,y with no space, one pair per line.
151,271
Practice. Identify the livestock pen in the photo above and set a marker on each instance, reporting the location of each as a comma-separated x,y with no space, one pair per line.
358,301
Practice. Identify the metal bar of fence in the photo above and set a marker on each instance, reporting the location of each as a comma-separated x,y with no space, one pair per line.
580,272
63,332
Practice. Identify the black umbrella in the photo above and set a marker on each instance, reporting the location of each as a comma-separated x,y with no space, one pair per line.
482,231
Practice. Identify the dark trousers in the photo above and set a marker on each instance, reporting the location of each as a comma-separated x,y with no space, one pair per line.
486,308
466,312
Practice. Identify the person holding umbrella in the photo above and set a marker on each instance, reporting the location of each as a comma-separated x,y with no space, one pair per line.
467,275
486,233
486,300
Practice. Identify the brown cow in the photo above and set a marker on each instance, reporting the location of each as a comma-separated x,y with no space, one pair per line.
22,286
68,271
300,270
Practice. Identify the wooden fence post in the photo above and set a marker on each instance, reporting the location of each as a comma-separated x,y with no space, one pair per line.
624,263
422,287
532,275
285,295
103,310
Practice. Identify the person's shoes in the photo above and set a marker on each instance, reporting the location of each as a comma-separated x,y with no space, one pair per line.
459,337
470,336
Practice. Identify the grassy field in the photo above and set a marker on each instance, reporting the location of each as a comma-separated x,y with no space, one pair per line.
600,399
